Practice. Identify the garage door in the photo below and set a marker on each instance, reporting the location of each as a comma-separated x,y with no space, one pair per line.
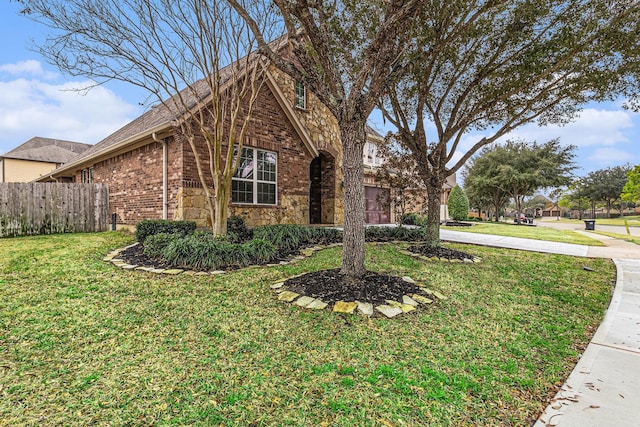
376,211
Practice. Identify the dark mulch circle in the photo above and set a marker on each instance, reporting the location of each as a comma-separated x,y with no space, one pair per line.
440,252
135,255
331,286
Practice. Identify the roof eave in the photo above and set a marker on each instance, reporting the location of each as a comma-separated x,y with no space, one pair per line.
69,169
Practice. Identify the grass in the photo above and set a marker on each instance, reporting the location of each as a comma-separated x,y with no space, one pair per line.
625,237
633,221
528,232
84,343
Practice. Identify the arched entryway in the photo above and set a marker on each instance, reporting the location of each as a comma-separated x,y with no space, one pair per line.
322,190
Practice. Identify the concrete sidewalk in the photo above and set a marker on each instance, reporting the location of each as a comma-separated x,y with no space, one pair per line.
604,387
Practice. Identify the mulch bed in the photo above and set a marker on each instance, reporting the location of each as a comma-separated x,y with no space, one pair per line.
331,286
440,252
135,255
457,224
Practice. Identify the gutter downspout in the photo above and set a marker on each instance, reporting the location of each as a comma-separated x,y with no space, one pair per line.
165,173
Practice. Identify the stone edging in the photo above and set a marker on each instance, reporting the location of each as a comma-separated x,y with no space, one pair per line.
305,253
391,309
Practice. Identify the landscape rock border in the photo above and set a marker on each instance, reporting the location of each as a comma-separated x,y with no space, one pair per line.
391,309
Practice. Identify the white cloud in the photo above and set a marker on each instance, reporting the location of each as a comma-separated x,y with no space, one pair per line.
33,107
30,67
610,157
593,127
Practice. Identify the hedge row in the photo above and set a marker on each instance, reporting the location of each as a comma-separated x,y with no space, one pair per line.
177,243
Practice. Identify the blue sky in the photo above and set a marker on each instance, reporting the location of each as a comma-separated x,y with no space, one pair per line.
37,100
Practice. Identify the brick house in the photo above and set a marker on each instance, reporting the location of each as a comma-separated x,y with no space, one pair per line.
292,138
36,158
151,170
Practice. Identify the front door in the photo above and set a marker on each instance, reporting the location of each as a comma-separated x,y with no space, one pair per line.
315,191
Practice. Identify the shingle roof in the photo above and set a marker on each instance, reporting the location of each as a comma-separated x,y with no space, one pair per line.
157,116
47,150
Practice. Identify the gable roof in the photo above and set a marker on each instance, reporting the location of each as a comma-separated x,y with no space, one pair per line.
161,118
47,150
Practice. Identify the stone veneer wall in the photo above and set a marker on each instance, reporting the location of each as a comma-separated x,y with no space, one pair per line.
323,129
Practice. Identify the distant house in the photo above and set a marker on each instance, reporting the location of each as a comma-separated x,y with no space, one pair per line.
37,158
552,210
379,212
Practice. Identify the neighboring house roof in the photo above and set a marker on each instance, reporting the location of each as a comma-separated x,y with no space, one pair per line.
48,150
374,134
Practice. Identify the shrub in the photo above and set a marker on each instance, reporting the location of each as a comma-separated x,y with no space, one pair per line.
147,228
458,204
203,251
412,218
388,234
155,244
260,250
289,238
237,230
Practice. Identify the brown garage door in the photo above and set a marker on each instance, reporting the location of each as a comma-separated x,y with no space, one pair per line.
376,212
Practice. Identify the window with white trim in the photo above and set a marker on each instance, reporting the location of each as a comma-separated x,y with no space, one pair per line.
301,95
255,182
86,176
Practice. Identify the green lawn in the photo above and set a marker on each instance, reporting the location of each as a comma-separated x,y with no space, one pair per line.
625,237
83,343
528,232
633,221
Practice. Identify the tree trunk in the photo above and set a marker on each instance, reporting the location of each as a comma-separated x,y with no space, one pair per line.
434,191
353,139
221,209
517,199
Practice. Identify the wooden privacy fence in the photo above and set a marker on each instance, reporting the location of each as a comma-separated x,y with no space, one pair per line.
44,208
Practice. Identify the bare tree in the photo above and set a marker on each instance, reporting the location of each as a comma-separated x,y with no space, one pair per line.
492,66
343,51
194,58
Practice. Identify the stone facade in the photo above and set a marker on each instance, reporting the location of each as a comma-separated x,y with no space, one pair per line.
323,129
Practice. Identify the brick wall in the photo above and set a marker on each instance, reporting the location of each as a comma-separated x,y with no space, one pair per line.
269,129
135,181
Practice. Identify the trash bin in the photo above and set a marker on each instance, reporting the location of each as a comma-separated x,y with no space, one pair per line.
589,224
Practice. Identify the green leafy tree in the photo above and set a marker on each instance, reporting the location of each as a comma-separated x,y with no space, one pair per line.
345,52
605,186
518,169
575,197
458,204
631,190
481,179
491,67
